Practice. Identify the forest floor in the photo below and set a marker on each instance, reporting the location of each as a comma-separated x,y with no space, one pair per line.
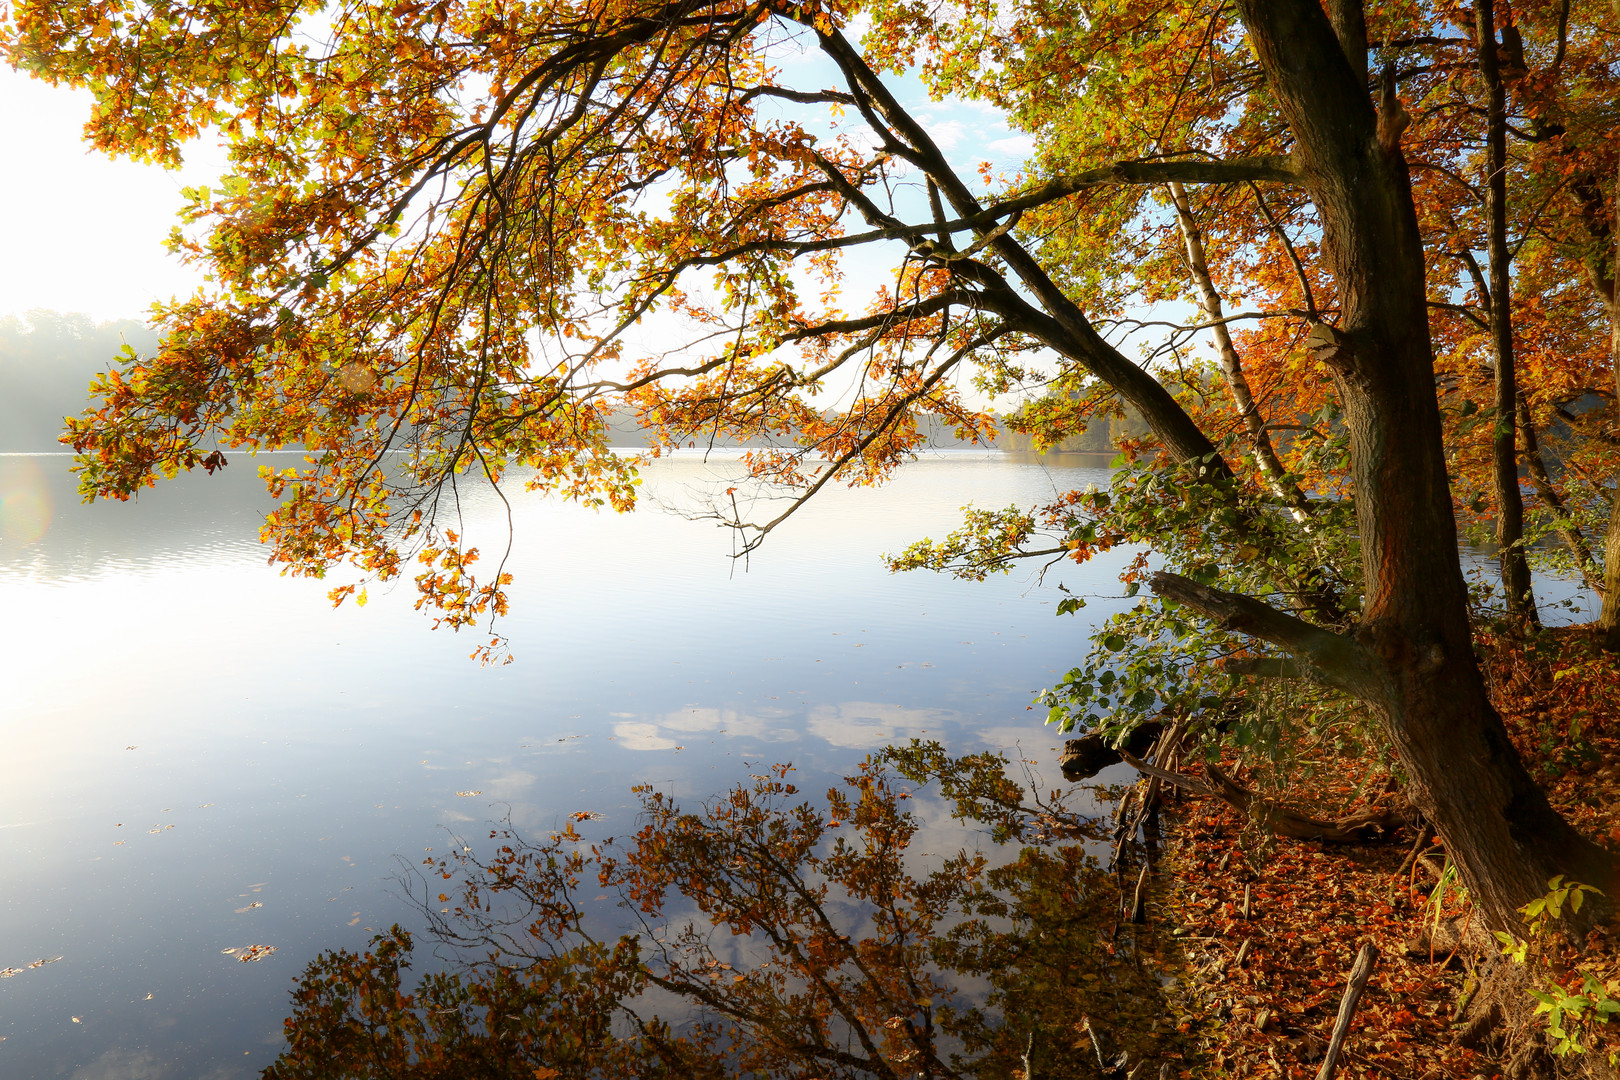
1311,905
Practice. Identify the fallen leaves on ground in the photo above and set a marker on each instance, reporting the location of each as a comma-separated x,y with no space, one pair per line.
1310,909
1311,906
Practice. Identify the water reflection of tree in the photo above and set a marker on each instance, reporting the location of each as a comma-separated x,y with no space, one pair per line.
778,937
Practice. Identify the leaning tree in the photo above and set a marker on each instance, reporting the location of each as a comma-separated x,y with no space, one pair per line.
456,234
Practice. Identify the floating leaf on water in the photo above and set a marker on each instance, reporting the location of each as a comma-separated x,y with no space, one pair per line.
468,794
9,972
256,952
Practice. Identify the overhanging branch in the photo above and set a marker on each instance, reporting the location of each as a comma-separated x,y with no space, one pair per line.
1325,656
1278,168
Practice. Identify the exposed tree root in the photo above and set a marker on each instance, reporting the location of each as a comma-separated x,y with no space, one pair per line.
1362,827
1501,1021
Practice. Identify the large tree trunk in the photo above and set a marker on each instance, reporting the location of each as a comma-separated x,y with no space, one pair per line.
1504,451
1412,656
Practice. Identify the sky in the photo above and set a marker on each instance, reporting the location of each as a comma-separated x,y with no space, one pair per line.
85,232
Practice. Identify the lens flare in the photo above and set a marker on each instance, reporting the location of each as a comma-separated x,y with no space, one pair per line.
356,377
25,501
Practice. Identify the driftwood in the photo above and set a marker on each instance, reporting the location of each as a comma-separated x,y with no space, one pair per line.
1166,755
1360,827
1140,803
1122,810
1089,755
1359,974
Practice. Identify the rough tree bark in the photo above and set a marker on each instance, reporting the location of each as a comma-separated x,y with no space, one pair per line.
1411,656
1504,451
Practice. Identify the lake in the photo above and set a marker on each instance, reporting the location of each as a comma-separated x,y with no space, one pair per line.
201,755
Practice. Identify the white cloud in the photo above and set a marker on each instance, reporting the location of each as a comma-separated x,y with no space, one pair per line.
1019,146
947,134
637,736
667,730
868,725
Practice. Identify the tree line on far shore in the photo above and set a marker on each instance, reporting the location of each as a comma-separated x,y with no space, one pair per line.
47,359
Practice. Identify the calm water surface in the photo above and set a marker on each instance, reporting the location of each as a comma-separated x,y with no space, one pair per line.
200,755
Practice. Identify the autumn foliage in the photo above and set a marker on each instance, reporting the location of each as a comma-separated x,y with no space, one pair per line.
1349,263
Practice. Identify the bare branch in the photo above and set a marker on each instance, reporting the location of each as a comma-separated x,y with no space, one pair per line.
802,97
1278,168
1263,667
1325,656
1353,829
